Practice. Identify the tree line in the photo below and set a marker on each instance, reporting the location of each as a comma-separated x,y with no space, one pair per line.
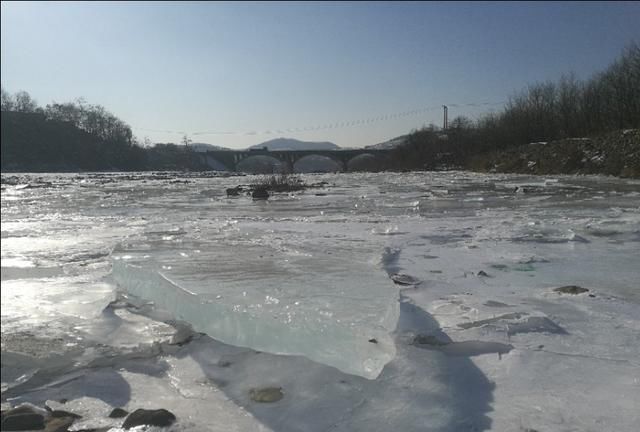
79,136
93,119
544,111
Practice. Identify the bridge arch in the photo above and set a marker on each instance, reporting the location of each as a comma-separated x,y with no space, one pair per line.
317,163
364,162
215,164
261,164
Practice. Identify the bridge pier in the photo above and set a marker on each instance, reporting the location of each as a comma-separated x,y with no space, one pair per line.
288,167
288,161
344,165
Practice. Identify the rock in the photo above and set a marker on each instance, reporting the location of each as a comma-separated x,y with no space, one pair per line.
159,417
428,340
266,395
22,422
62,413
59,424
233,191
184,335
483,273
23,417
118,413
24,409
403,279
493,303
373,340
260,193
100,429
570,289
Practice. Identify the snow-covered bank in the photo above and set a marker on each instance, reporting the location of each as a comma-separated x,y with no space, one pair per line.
482,341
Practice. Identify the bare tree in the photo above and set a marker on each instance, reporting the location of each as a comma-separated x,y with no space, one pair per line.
568,105
24,103
7,101
461,123
186,141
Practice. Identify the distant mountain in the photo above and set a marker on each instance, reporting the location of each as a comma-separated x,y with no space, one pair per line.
389,144
294,144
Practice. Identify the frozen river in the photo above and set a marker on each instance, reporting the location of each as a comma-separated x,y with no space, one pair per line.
376,302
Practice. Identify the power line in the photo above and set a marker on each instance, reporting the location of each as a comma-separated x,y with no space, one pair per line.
336,125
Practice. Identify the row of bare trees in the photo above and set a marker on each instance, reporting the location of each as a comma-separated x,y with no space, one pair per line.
71,135
546,111
19,102
93,119
78,135
571,107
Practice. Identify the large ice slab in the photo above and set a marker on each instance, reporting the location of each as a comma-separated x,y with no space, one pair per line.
290,296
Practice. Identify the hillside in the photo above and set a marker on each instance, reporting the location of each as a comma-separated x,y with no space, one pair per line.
30,142
615,153
389,144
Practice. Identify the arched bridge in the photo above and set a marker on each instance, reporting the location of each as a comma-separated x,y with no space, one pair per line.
231,158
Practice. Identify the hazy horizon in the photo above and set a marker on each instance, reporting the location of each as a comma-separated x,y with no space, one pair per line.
237,74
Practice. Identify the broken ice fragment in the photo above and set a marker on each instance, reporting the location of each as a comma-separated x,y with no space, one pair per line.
570,289
323,307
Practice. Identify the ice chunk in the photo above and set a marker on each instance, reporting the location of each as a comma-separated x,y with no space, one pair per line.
304,301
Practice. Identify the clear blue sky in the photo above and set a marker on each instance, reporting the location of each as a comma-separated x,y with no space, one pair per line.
245,67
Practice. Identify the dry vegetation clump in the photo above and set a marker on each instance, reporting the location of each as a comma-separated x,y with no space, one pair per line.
280,183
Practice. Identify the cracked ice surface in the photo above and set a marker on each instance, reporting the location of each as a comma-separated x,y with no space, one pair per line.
482,340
